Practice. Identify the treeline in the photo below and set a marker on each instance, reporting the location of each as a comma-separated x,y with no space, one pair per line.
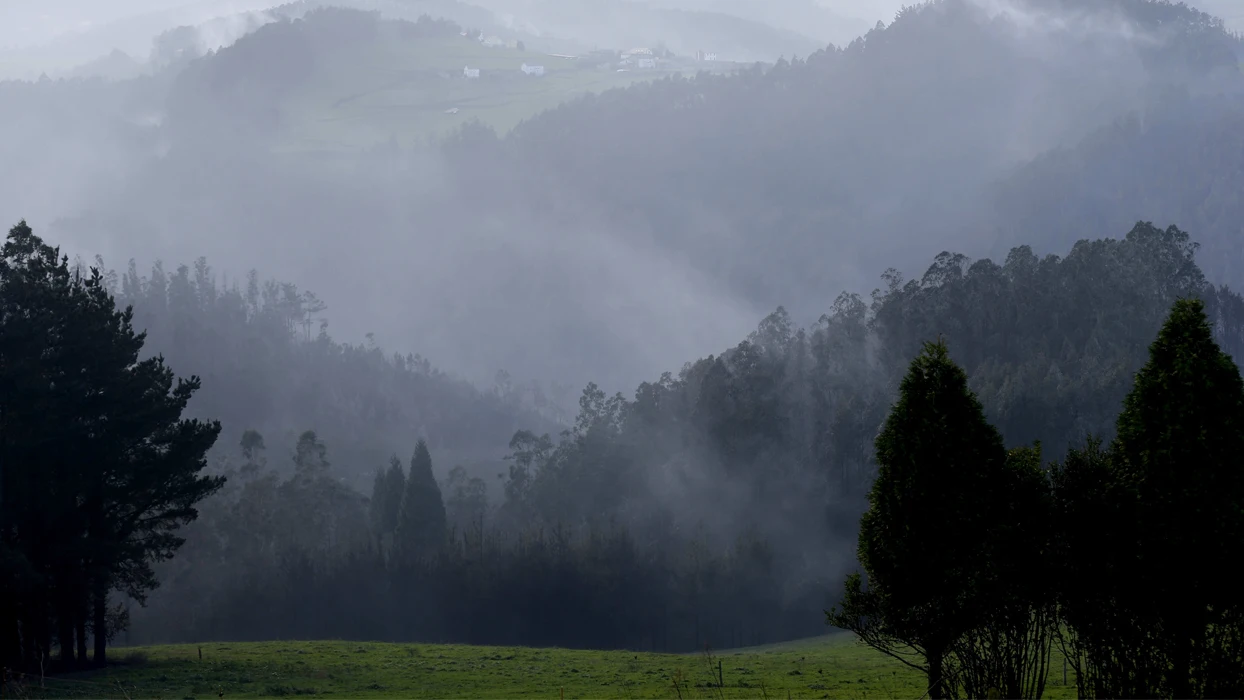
98,470
1176,160
269,364
978,560
303,557
727,496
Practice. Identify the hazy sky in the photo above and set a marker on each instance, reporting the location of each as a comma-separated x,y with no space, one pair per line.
26,22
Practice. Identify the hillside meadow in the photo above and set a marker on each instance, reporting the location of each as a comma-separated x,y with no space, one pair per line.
407,90
834,666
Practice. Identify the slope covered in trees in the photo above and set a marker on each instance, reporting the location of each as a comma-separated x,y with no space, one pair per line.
727,495
270,365
864,156
776,185
1178,159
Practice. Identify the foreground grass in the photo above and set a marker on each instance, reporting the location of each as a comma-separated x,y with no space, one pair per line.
827,667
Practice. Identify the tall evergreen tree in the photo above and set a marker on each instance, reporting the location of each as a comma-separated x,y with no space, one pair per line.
1178,450
386,498
421,522
923,541
100,470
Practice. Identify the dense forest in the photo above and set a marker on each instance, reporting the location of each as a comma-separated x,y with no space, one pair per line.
763,451
717,506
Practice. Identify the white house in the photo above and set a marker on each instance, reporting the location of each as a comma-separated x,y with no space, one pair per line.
493,42
470,72
646,63
533,70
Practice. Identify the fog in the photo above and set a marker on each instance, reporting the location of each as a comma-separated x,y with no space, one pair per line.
530,232
444,264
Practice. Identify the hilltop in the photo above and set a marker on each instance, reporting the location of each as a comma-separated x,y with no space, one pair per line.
344,79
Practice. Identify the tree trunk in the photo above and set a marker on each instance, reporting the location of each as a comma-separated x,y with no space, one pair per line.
937,679
81,632
101,623
65,628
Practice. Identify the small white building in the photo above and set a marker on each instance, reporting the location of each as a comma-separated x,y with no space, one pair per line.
646,63
533,70
470,72
493,42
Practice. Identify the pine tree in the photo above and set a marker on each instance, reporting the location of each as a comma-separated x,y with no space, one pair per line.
386,500
421,523
1178,450
99,464
923,541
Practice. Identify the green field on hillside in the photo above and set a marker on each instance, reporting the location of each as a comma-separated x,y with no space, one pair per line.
827,667
406,89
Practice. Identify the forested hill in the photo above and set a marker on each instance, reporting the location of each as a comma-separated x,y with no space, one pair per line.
786,183
680,210
1180,159
719,501
269,364
1050,345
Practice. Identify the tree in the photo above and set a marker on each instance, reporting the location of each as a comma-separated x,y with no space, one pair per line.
421,523
1177,452
1007,654
466,499
922,542
1107,631
386,498
99,468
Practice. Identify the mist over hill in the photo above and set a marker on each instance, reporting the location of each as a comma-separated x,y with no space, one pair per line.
620,317
619,234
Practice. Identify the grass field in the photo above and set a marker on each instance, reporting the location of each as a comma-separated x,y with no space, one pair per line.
826,667
404,90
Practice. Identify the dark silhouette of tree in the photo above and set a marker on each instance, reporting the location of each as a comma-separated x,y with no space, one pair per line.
420,527
386,498
924,542
1007,654
86,526
1180,437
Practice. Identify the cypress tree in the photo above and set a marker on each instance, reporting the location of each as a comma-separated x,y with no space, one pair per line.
421,520
388,490
923,541
1177,452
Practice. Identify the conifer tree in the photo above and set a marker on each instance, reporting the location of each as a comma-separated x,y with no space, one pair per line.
386,499
421,522
100,469
922,542
1178,450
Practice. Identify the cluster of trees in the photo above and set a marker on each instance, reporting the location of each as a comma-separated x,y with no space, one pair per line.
977,559
269,364
731,491
302,556
98,470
